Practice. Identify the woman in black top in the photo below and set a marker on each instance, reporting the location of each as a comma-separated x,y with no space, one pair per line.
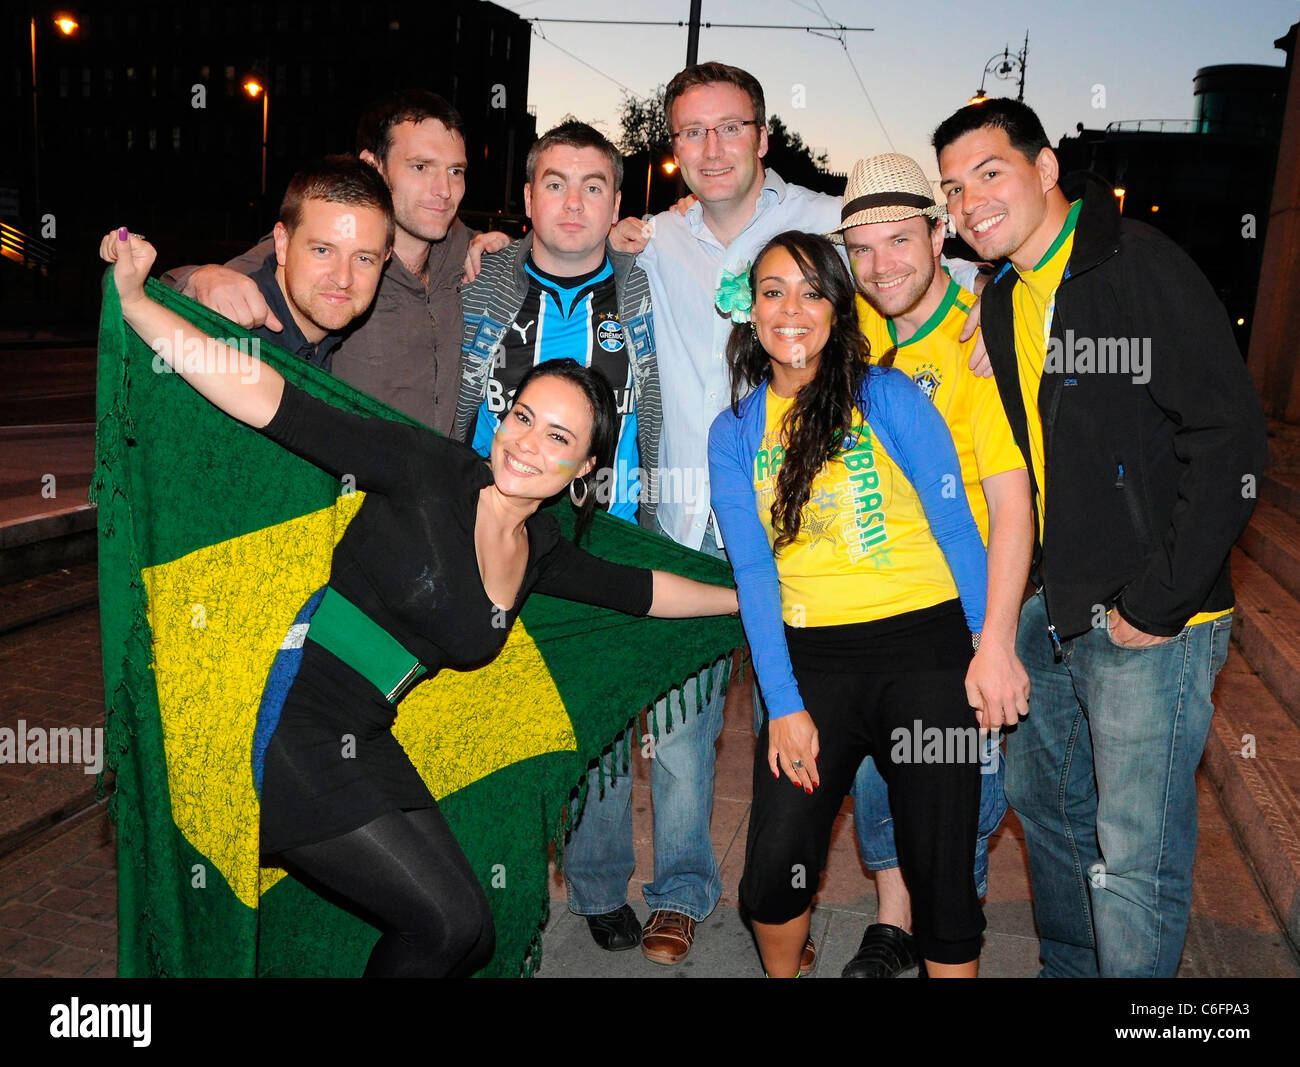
431,572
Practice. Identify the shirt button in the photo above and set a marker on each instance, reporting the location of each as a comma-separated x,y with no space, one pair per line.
713,396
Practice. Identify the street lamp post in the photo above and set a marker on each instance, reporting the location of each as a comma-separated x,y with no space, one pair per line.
1006,66
670,168
67,26
254,88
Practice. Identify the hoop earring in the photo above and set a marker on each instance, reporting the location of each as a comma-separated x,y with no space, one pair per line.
578,501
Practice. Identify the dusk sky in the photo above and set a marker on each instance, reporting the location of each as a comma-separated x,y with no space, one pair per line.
922,61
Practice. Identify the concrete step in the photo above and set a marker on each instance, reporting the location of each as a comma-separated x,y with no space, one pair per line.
1252,757
1266,626
1273,541
1282,490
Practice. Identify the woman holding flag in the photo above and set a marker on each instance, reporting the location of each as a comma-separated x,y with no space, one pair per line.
431,573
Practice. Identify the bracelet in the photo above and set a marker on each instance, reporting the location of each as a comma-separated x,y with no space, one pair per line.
975,642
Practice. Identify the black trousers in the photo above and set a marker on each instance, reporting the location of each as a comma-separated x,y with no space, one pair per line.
916,724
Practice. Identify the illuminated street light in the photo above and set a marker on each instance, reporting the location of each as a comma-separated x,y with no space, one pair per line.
670,167
1120,193
254,88
67,26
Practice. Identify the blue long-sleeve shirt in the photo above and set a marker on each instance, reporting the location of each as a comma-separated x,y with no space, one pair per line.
914,435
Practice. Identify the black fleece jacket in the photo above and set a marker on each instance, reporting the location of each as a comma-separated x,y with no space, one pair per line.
1154,446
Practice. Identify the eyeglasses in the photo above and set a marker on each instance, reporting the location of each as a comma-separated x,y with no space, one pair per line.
727,131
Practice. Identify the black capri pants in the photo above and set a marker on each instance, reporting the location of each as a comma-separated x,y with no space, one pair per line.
881,689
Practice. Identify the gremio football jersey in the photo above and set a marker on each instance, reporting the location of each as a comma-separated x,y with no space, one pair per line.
938,363
577,318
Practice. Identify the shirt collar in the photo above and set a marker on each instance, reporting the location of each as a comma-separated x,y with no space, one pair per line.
773,191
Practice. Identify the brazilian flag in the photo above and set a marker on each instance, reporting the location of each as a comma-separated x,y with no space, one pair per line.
213,542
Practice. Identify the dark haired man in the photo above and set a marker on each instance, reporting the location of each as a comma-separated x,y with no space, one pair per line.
406,351
562,291
329,249
1144,441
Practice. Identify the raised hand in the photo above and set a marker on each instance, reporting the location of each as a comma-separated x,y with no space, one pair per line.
131,256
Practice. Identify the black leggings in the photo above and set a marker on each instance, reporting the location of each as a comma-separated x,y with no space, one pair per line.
935,804
405,873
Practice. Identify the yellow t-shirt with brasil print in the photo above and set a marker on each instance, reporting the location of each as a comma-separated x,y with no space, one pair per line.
864,550
1033,302
938,363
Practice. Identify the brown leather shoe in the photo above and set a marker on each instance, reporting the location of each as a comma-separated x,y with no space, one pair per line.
667,937
808,960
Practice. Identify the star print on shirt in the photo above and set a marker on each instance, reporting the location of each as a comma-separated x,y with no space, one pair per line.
825,500
818,528
880,557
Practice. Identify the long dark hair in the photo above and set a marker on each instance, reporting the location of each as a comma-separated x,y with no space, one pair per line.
822,413
604,425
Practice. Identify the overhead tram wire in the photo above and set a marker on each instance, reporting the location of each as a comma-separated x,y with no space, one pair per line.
839,36
579,59
685,23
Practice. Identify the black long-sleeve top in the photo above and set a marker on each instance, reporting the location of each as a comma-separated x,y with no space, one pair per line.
408,558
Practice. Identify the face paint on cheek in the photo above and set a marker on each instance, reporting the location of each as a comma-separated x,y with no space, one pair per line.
564,464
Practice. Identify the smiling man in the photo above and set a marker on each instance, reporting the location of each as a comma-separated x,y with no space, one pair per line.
1142,482
330,246
909,306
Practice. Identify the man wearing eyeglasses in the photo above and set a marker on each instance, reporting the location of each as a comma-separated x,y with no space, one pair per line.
718,121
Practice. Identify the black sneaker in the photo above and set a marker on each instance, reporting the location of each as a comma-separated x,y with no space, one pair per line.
615,931
885,952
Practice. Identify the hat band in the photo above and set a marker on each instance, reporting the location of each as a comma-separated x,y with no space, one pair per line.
865,203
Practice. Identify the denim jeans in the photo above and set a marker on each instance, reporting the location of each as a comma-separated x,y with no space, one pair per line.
1102,776
600,858
874,822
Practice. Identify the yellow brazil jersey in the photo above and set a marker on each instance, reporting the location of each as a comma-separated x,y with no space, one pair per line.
938,363
864,550
1033,303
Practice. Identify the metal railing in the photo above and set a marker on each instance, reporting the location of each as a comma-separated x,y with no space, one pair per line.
25,250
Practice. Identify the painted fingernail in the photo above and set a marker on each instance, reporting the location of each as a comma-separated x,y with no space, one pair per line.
123,234
808,789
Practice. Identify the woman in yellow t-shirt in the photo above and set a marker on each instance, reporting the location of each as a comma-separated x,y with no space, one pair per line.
861,578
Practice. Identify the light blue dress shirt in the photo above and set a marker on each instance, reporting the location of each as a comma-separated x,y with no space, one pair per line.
684,263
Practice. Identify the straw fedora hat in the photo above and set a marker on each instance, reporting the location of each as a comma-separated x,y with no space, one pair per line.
886,188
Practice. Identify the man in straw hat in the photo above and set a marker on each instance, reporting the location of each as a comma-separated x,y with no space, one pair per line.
1144,471
910,307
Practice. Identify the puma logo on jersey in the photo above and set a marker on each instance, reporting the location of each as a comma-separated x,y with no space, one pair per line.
522,331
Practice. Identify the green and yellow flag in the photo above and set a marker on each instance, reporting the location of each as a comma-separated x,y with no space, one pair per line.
212,542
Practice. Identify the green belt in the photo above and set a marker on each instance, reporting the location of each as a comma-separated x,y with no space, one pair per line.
342,628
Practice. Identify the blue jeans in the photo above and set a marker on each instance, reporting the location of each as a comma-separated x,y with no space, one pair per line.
1102,776
874,822
599,857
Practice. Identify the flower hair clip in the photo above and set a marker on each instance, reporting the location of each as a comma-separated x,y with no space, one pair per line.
734,297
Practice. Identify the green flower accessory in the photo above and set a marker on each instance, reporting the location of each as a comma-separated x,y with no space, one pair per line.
734,297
